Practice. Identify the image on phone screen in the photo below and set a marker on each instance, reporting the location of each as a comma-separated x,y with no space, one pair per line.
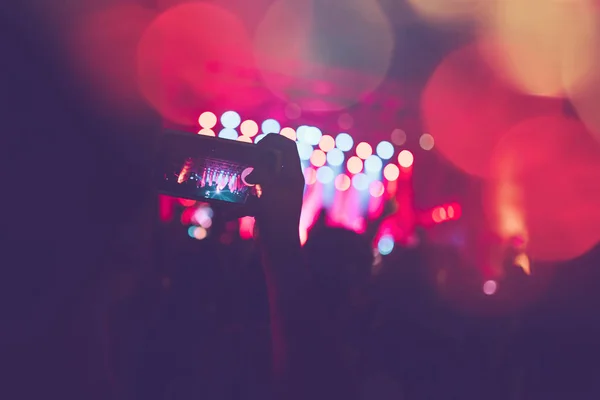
205,178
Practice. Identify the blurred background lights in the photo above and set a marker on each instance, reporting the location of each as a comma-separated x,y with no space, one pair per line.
318,158
305,150
385,245
398,137
245,139
391,172
289,133
301,133
325,175
360,182
385,150
310,176
376,189
364,150
373,164
355,165
326,143
313,135
406,159
490,287
342,182
426,141
270,126
260,137
207,132
227,133
344,142
230,119
249,128
335,157
197,232
207,120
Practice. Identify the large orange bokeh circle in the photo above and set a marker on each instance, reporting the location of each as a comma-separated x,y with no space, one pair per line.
553,164
192,53
468,109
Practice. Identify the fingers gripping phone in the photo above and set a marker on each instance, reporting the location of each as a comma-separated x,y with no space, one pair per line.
212,169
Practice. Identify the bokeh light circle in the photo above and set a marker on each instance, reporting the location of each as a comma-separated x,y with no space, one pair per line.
270,126
181,62
289,133
227,133
245,139
305,150
376,189
398,137
313,135
249,128
326,143
355,165
391,172
551,195
325,175
344,142
385,150
318,158
426,142
335,157
373,164
207,120
342,182
490,287
385,245
468,109
306,51
231,119
206,132
360,182
310,176
364,150
406,159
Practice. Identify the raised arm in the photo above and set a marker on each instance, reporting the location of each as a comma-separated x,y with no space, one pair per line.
306,358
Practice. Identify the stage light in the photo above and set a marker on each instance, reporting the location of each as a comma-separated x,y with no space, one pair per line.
373,164
227,133
245,139
249,128
360,182
406,159
385,150
200,233
305,150
318,158
364,150
207,132
385,245
288,133
342,182
310,176
301,133
325,175
426,141
335,157
327,143
344,142
398,137
355,165
207,120
313,135
391,172
270,126
376,189
230,119
260,137
490,287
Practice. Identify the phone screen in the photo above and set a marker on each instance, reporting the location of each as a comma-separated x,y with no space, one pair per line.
211,169
203,178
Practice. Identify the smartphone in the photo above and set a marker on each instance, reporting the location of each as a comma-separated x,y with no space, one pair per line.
212,169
